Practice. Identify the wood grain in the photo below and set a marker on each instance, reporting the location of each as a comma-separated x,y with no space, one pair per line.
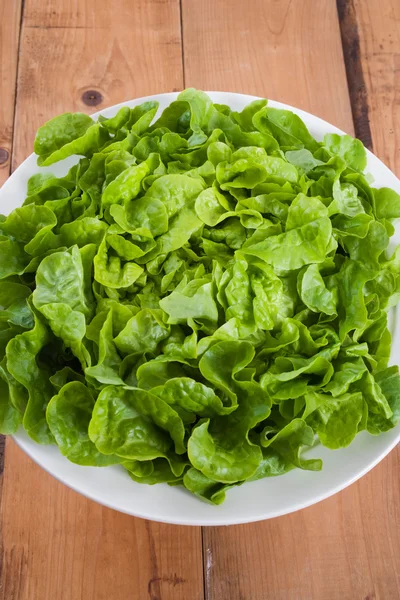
354,70
80,55
56,544
348,546
344,548
286,50
10,16
378,25
10,21
69,48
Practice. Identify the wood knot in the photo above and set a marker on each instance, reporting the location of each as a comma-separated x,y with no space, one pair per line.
92,98
4,156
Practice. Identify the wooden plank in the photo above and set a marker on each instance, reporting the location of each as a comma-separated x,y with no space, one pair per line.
10,20
130,50
10,16
284,50
56,543
377,27
59,545
348,546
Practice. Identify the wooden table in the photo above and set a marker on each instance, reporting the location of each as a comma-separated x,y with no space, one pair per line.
339,60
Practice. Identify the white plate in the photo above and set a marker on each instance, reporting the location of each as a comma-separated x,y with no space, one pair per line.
255,501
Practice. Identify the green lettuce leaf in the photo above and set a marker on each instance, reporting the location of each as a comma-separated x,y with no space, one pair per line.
202,298
68,415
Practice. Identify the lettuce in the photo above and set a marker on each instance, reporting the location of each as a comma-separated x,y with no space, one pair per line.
201,298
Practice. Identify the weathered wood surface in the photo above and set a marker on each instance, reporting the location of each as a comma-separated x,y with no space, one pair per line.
10,20
337,60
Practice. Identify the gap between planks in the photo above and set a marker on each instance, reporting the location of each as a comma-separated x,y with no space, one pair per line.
354,71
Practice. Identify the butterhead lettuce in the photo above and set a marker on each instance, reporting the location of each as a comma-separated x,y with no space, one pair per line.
201,298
